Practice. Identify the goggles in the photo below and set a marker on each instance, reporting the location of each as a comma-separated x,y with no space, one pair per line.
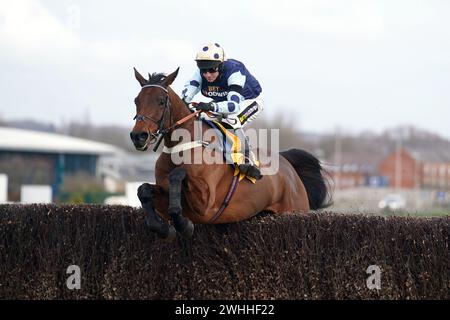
210,70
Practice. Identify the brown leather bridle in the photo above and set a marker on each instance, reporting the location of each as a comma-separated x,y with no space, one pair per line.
158,135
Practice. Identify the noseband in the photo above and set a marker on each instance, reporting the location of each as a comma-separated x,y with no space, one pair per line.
156,136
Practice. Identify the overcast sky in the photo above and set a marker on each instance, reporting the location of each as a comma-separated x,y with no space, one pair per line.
352,64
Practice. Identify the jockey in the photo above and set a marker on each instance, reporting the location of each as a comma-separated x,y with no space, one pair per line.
234,93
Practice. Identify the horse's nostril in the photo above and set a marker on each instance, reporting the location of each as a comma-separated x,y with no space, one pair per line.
143,136
134,136
139,136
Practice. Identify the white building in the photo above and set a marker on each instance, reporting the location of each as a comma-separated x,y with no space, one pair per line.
38,158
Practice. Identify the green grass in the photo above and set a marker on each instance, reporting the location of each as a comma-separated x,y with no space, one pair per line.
419,213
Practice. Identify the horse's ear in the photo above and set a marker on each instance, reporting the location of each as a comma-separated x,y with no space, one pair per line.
139,77
171,77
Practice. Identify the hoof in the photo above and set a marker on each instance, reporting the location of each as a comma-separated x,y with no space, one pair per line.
188,230
144,192
170,235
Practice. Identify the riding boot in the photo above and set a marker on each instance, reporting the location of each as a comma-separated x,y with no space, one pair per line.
248,167
250,170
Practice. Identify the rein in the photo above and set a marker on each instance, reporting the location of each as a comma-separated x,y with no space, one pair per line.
163,131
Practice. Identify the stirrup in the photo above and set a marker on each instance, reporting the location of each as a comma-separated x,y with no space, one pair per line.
250,171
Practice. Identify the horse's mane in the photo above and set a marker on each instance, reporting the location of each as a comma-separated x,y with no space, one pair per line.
155,78
158,78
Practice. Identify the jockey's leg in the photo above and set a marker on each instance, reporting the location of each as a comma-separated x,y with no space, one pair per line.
248,167
251,110
153,220
182,224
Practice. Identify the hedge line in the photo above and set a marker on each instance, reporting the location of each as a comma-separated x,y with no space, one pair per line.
314,256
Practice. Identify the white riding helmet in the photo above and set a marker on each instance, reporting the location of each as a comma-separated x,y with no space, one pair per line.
211,55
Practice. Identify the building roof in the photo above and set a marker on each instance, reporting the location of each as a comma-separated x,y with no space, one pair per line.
355,162
12,139
431,154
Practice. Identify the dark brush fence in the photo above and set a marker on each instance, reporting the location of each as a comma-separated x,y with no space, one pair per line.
314,256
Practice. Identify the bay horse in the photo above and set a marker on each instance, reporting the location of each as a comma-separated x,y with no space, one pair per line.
195,193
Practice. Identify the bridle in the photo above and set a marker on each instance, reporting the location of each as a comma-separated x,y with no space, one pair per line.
156,137
160,131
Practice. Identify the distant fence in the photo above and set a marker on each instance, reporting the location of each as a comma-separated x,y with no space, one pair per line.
314,256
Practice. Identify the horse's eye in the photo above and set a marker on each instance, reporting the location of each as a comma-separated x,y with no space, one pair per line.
136,101
162,102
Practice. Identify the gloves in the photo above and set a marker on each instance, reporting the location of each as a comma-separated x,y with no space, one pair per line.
205,106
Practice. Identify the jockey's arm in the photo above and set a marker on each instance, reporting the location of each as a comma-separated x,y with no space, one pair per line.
192,87
236,82
233,102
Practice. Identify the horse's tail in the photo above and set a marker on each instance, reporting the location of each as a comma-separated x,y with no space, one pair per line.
310,171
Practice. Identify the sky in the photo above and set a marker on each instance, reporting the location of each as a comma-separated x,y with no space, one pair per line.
355,65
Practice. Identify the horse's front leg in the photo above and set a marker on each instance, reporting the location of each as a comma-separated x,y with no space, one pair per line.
182,224
153,220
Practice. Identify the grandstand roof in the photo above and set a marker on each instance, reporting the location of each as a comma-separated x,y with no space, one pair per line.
12,139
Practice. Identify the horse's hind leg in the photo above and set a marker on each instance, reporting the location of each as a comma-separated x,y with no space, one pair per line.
153,220
182,224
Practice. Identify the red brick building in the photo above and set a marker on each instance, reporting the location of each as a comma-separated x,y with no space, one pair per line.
417,168
353,170
348,176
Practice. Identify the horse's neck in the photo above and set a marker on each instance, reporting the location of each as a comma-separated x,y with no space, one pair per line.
178,111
